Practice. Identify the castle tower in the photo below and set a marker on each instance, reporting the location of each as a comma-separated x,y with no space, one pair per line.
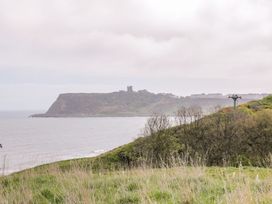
130,89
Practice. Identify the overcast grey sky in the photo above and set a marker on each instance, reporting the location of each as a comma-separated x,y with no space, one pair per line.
52,46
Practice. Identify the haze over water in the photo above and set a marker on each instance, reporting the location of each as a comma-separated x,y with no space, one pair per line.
29,142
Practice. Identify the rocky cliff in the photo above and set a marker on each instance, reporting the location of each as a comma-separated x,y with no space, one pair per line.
128,103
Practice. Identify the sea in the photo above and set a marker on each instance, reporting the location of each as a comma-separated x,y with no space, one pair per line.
28,142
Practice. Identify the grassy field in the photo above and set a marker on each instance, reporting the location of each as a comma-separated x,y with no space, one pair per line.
185,185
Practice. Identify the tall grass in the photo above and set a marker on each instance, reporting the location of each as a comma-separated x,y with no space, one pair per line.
181,184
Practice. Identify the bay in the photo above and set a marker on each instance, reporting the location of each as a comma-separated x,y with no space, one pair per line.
29,142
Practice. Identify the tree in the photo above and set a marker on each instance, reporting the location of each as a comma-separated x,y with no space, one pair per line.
156,123
188,115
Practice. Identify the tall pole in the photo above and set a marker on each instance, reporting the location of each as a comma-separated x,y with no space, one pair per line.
235,98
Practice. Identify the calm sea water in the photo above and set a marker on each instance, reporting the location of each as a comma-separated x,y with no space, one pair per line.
29,142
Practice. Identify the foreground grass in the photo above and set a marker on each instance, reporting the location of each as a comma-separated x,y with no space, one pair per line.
174,185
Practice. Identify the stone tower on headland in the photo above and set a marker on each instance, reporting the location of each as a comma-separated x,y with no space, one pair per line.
129,89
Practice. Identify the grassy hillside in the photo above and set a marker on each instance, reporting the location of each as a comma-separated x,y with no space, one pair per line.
186,185
259,105
225,138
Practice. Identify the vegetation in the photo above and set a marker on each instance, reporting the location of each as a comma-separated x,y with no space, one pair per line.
181,184
142,175
227,137
266,103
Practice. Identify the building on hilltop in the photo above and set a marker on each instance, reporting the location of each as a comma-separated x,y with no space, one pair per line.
130,89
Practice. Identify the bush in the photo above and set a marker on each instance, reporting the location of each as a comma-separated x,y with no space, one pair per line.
227,137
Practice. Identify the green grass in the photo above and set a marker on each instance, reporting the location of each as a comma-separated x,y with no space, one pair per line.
199,184
253,106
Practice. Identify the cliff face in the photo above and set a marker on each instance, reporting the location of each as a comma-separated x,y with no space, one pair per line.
110,104
125,103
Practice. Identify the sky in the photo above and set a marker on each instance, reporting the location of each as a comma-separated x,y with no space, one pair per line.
48,47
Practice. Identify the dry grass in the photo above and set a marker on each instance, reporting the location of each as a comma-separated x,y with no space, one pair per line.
143,185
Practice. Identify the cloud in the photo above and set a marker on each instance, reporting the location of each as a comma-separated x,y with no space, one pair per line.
66,41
